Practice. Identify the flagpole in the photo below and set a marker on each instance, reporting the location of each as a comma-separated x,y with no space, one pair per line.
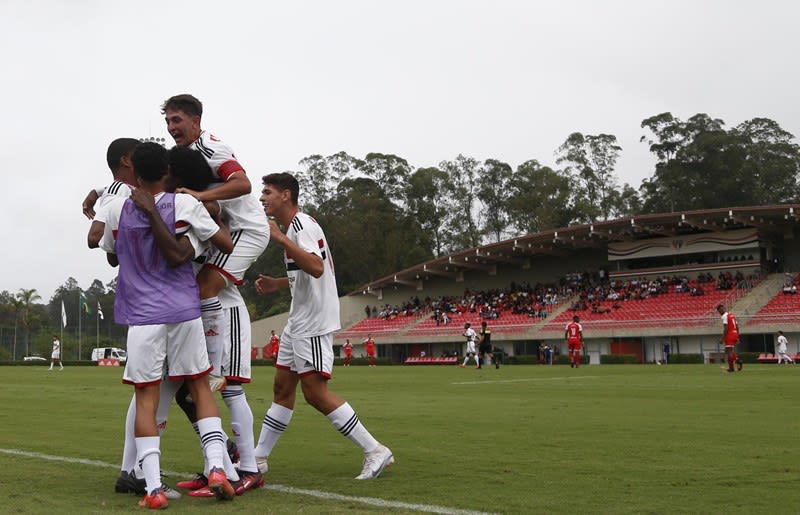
97,318
80,308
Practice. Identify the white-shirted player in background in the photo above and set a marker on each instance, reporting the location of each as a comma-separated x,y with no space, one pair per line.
471,336
306,352
781,349
55,355
244,217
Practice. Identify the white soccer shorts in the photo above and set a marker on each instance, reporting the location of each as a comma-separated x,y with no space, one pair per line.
238,345
306,354
248,245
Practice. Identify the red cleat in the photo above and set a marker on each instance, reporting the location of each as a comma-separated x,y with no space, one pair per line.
155,500
249,481
202,492
199,481
219,484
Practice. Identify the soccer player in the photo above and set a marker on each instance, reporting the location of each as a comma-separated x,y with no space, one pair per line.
348,352
574,336
274,345
730,337
55,355
118,158
781,349
306,352
157,298
369,344
244,217
485,346
471,336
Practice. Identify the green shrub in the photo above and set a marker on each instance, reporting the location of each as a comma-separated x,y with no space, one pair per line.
618,359
686,358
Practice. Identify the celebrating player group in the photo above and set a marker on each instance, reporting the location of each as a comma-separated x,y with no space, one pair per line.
182,227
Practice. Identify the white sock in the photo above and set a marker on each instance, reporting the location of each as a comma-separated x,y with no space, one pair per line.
129,447
345,420
242,426
213,324
213,440
149,459
466,358
166,393
274,424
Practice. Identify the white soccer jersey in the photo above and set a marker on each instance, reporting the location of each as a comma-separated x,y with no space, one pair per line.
782,341
240,213
315,302
190,216
114,190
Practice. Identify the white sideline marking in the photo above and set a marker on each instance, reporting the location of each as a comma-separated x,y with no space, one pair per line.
525,380
372,501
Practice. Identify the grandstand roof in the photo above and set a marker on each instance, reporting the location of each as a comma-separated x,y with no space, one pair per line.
776,219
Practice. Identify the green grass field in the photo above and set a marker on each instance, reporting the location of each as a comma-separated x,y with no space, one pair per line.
522,439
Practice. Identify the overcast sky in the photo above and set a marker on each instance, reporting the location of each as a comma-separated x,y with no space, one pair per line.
425,80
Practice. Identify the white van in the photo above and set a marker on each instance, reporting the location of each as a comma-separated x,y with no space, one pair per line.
109,353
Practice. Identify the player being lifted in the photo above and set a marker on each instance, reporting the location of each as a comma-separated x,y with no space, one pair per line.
241,212
306,352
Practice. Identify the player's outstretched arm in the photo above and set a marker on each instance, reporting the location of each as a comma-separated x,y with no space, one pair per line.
237,185
88,204
176,252
268,284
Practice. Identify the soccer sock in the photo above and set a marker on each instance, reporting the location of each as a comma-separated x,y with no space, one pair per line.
274,424
213,323
242,425
166,393
148,454
345,420
466,358
577,359
730,361
213,439
129,447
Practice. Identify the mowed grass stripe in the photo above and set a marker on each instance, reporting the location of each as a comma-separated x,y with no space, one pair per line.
608,439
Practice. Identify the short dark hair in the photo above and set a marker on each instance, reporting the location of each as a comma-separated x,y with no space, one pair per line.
283,181
150,161
183,102
721,306
118,149
189,168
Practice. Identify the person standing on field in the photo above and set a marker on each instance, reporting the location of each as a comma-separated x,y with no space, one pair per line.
781,349
471,336
730,337
348,352
55,355
306,351
574,336
369,344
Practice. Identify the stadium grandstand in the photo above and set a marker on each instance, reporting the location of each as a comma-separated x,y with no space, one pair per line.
637,284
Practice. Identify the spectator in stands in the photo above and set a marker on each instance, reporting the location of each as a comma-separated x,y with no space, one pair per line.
374,311
367,311
781,350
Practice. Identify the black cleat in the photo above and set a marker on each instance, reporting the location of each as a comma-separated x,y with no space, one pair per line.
739,365
128,483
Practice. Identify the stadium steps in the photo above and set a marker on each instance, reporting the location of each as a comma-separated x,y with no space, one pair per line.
748,305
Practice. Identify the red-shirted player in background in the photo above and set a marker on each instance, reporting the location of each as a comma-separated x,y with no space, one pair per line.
274,345
348,352
730,337
370,344
574,337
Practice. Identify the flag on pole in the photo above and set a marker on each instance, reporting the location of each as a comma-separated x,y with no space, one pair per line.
84,305
63,315
100,311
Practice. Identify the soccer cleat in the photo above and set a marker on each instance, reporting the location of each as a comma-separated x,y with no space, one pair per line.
128,483
202,492
375,462
461,366
216,383
219,484
261,463
249,481
169,492
739,365
199,481
155,500
233,451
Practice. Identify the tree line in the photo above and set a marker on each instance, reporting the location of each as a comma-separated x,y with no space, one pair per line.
382,214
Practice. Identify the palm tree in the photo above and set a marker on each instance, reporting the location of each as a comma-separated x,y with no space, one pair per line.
26,299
